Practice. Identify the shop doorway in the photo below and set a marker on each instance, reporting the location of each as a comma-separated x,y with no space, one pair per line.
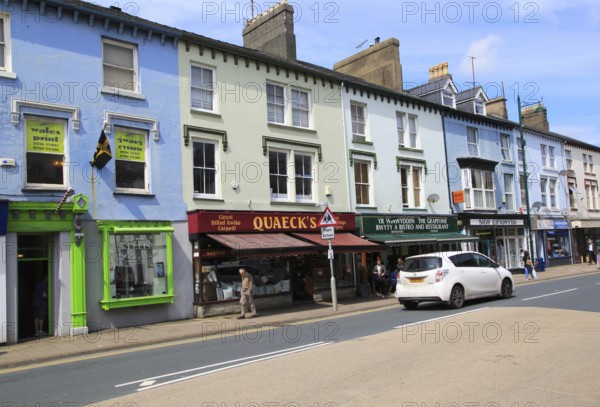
33,276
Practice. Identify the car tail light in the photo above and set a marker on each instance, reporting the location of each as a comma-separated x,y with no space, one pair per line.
440,274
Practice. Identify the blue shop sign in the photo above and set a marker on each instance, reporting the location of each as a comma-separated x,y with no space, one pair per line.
561,224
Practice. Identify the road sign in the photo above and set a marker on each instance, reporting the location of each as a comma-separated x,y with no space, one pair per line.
327,232
328,219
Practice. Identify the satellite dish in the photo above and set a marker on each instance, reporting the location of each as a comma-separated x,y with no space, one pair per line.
433,198
537,205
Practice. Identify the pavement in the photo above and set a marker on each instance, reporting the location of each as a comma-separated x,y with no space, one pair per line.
50,349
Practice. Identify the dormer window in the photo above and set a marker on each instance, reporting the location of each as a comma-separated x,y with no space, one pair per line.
448,98
479,106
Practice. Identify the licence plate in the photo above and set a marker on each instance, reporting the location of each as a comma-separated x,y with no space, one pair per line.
416,280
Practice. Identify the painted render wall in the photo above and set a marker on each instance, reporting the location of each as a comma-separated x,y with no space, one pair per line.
242,113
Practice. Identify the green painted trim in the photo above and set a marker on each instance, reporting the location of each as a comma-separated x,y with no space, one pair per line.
122,227
416,150
39,217
78,303
365,142
136,302
221,133
119,230
401,160
49,287
365,153
414,209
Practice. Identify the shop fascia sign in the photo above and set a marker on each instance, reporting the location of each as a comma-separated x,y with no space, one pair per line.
230,222
407,224
497,222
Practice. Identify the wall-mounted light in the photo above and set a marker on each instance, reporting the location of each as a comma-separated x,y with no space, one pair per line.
107,128
76,124
155,135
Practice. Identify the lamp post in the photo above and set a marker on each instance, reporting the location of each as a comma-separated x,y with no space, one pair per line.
525,176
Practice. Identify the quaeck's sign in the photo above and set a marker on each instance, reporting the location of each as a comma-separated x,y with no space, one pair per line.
263,222
372,225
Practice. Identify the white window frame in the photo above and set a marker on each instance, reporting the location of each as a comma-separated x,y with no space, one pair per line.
204,89
488,196
358,122
519,151
135,70
147,164
572,185
509,192
591,191
215,144
276,196
448,96
591,163
551,157
544,191
369,184
505,147
413,133
6,70
544,154
523,187
552,193
291,176
412,192
479,107
277,107
302,109
568,159
473,144
401,128
311,177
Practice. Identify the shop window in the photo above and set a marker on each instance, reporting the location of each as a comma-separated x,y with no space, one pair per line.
220,278
205,170
130,159
203,88
120,67
137,265
45,140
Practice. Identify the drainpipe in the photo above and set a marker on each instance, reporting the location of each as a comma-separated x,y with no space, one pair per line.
346,154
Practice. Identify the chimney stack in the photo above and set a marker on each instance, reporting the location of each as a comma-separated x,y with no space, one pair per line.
379,64
438,71
497,107
536,117
273,32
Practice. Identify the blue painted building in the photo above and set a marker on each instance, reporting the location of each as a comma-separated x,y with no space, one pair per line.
112,241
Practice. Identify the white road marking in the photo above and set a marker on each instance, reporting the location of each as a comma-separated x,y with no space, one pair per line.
217,364
547,295
436,319
147,383
313,346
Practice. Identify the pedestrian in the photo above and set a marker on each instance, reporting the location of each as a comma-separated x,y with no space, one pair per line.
40,306
591,251
379,277
399,264
246,297
528,265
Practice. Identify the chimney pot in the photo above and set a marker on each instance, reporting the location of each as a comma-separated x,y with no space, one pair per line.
377,39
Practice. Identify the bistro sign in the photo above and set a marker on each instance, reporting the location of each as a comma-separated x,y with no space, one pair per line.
263,222
407,224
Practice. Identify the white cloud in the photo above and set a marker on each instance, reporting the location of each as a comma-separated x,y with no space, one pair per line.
486,52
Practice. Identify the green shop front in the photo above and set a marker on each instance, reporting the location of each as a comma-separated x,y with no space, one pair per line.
408,235
43,247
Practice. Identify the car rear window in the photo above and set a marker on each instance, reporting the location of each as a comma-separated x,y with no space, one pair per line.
422,264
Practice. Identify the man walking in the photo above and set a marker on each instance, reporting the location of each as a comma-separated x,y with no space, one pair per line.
246,294
591,251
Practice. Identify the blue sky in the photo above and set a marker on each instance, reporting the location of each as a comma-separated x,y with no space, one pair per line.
545,50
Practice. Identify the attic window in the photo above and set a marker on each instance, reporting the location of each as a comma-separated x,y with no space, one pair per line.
448,98
479,107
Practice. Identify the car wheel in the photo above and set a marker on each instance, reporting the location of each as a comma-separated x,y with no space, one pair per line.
506,289
410,305
457,297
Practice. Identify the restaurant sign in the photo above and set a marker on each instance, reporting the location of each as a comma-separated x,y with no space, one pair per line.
372,225
263,222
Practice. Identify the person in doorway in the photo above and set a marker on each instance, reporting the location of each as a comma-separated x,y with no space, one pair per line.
591,251
379,277
40,306
246,295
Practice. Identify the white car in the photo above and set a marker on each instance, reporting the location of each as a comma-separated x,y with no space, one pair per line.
451,277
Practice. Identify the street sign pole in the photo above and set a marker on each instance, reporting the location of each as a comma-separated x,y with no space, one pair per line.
333,286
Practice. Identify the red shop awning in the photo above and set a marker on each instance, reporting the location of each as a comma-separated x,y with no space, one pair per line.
343,242
264,244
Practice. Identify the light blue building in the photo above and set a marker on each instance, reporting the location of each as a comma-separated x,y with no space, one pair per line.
112,241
